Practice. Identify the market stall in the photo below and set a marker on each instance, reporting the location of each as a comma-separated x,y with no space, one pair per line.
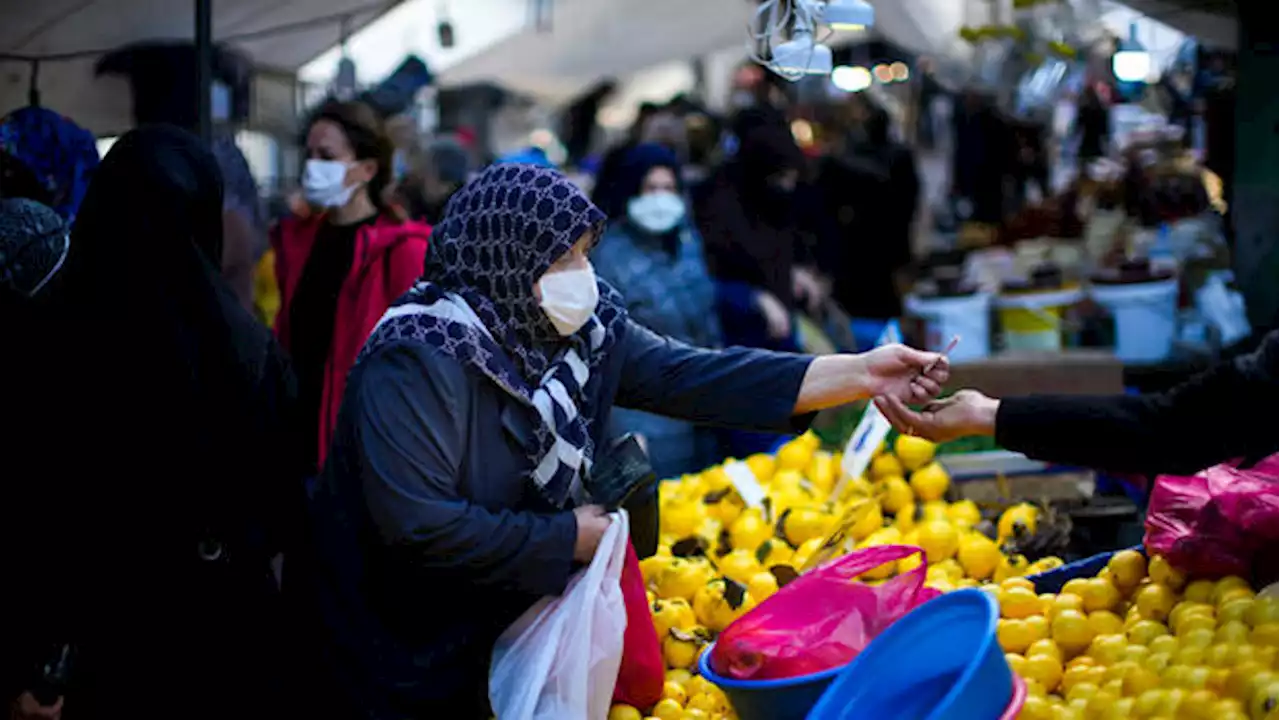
1032,620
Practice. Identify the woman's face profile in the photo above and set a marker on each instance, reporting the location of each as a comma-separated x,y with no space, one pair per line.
575,259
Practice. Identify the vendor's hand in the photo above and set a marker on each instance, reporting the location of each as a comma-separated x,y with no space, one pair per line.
777,317
592,522
26,708
966,413
899,371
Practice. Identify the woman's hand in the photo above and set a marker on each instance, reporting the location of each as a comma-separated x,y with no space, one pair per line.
893,370
966,413
26,708
777,317
592,522
902,372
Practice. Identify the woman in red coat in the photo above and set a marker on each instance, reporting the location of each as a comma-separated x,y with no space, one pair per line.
341,267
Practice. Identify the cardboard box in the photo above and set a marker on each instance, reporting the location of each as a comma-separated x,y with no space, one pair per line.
1070,372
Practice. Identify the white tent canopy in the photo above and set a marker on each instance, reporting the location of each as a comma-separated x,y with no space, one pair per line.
46,28
593,39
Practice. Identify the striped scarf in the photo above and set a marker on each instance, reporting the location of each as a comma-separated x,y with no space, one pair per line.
499,235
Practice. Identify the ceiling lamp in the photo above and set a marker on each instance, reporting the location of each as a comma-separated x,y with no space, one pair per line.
1131,62
848,15
801,55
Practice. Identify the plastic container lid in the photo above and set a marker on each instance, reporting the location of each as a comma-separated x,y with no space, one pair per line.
939,662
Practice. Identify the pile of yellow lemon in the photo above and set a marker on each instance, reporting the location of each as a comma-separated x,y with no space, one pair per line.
1139,641
718,558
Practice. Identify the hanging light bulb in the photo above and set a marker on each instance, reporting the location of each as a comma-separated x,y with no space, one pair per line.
848,15
1131,62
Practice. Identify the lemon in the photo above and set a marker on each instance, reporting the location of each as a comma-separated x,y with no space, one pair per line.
624,712
682,519
1154,602
1018,603
794,455
905,519
1071,631
1044,669
822,471
674,613
913,452
773,552
1100,594
978,555
716,607
652,567
885,465
1014,636
1010,566
749,530
740,565
1044,646
1127,567
930,482
1020,518
678,676
802,523
674,691
965,513
680,651
1265,634
704,702
668,709
762,585
1145,631
1162,573
1105,622
895,493
1262,611
939,540
1198,591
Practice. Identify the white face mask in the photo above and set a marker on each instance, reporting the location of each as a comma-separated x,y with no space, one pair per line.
656,212
324,183
569,298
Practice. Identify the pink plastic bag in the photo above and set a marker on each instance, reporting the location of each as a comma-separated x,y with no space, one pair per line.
820,620
1217,521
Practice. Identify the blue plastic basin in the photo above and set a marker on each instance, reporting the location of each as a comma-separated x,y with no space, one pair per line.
939,662
785,699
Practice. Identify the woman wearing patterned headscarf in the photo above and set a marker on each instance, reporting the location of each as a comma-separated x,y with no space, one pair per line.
456,491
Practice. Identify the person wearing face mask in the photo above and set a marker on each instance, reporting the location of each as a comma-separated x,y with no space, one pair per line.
652,255
457,492
340,267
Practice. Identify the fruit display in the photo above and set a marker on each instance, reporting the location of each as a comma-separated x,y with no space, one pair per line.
1139,640
719,558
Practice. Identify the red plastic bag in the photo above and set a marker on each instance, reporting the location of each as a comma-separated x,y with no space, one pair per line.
820,620
641,674
1217,521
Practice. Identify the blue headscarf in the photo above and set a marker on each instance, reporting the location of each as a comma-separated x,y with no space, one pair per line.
61,154
476,304
636,164
534,156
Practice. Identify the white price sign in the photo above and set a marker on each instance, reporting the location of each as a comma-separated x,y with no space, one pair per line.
871,431
746,483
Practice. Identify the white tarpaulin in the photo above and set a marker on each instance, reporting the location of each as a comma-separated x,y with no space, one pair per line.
55,27
593,39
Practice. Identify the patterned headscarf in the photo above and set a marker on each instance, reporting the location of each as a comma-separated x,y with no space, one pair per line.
499,235
33,245
59,153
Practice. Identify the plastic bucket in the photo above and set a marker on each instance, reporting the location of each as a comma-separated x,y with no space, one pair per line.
1146,318
783,699
1033,321
939,662
968,316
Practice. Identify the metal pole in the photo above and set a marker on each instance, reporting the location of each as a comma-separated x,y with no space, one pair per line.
204,68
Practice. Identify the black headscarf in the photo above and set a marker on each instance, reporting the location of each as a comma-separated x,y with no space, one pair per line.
175,410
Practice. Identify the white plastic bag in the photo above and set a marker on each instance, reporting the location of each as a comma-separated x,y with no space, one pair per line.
560,659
